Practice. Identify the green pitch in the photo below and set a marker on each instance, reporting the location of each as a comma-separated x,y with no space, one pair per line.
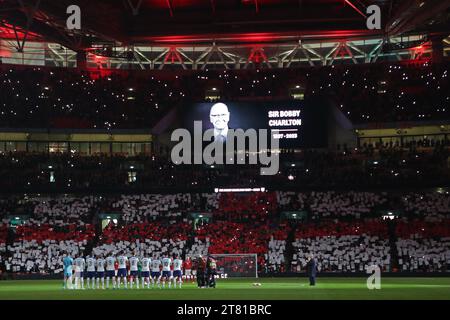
270,289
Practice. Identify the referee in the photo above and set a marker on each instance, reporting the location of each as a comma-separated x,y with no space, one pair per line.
211,266
311,270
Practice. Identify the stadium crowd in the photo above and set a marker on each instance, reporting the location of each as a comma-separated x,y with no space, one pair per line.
40,257
343,246
52,97
363,167
344,238
138,208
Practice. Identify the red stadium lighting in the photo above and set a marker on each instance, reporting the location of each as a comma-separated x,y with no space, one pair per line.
7,32
169,6
354,7
255,2
256,37
257,55
99,59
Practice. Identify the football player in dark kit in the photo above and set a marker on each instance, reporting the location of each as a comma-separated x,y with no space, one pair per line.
211,271
200,266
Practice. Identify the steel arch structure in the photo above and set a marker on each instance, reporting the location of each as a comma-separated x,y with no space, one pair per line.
225,56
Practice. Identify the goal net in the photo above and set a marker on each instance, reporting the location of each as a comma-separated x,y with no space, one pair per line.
237,265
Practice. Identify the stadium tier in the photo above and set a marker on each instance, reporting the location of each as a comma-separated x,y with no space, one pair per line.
42,97
348,237
365,167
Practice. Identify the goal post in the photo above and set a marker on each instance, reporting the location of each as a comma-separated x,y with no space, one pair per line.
237,265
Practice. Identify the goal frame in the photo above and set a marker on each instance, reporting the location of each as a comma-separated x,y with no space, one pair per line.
253,255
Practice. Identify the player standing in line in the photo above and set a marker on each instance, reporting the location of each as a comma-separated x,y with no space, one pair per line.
194,271
166,274
122,270
80,265
188,269
177,273
156,271
110,270
90,261
67,264
134,271
145,272
100,263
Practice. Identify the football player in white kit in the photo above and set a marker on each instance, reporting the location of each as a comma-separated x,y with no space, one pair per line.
122,270
110,270
145,271
80,264
134,271
156,271
90,261
177,273
166,274
100,263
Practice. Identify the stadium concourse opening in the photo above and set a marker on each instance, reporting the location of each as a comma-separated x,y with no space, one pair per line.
356,95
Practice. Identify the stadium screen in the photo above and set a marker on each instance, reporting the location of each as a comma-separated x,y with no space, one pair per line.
297,124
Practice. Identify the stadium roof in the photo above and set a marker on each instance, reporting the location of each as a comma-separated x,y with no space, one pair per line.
130,22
